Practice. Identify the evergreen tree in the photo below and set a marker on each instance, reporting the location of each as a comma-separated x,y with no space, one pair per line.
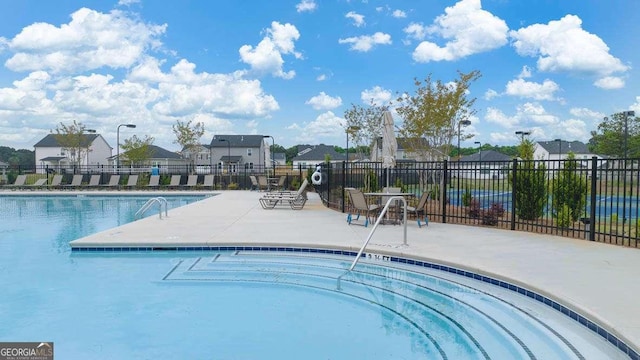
570,190
531,184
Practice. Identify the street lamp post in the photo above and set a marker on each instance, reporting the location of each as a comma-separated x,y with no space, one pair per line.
90,131
523,134
273,147
228,158
118,143
626,129
465,123
479,149
350,130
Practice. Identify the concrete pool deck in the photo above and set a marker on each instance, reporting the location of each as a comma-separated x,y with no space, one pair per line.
597,280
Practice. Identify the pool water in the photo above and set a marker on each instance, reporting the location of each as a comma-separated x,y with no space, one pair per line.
250,305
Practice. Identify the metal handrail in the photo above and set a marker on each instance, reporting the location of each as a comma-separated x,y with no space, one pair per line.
375,226
160,200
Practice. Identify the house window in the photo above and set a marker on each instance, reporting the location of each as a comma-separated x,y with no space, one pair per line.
220,165
249,152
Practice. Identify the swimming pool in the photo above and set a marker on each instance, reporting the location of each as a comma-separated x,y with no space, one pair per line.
247,304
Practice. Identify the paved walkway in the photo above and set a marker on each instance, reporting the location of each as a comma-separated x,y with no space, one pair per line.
595,279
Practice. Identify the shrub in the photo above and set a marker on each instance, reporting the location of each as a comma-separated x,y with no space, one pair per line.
466,197
570,189
474,211
497,208
232,186
563,216
531,190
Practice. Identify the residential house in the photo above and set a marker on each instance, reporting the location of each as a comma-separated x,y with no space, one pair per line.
280,159
235,152
159,158
560,149
3,172
485,164
51,156
310,155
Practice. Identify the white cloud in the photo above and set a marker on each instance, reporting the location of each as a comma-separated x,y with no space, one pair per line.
525,73
306,5
496,116
376,95
532,90
365,43
321,77
399,14
323,101
266,57
563,46
491,94
573,129
90,41
468,29
610,83
127,2
326,126
358,20
415,31
536,113
586,113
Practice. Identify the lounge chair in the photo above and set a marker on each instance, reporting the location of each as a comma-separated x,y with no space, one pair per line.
192,181
279,185
56,181
419,209
296,200
75,182
154,181
114,181
175,181
361,206
263,183
208,181
254,183
132,181
94,180
20,181
38,183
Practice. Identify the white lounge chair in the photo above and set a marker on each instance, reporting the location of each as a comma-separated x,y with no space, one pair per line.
132,181
295,200
208,181
75,182
154,181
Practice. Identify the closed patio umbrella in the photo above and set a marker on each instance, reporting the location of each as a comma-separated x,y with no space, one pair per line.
389,143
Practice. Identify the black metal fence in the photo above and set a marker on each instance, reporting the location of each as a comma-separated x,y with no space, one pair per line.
594,199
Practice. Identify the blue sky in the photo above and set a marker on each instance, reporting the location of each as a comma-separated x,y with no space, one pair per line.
291,68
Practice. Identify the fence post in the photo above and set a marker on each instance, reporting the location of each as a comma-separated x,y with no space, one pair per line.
344,182
443,191
592,210
513,194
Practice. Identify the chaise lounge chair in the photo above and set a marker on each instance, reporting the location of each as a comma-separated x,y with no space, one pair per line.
94,181
38,183
296,200
75,182
56,181
20,181
114,181
132,181
361,206
175,181
208,181
154,181
192,181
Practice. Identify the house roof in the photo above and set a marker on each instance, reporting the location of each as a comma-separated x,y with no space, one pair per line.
554,147
231,159
245,141
487,155
53,158
279,156
156,152
318,152
51,140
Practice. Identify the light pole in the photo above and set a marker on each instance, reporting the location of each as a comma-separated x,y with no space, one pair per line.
118,143
273,147
479,149
626,128
228,158
465,123
90,131
350,130
523,134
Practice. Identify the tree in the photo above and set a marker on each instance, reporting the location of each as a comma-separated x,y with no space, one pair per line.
530,185
570,190
433,114
137,150
73,140
188,136
609,138
367,121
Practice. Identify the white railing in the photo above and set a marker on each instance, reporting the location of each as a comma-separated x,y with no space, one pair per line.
373,230
156,200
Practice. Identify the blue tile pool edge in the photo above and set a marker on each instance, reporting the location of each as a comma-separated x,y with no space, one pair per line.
621,345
